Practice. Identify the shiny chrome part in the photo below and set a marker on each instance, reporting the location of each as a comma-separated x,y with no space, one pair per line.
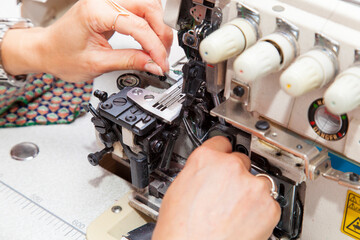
215,80
289,31
245,11
24,151
291,167
191,34
145,203
166,106
217,16
285,26
116,209
251,15
330,47
323,41
342,178
198,12
319,165
274,136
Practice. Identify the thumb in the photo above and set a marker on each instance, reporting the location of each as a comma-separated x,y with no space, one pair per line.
128,59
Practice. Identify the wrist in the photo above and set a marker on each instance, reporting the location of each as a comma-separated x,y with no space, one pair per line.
23,51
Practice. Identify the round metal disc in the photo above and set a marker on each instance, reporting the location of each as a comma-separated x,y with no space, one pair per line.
24,151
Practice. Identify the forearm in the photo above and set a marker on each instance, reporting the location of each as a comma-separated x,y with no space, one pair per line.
22,51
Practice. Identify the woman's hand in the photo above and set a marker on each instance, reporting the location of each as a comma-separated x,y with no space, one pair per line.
75,48
216,198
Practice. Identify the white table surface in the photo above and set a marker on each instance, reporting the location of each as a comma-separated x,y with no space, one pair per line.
60,175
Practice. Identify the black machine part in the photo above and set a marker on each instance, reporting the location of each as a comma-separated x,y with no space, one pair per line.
157,141
142,233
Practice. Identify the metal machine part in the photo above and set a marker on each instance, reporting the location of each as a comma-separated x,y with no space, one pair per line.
166,106
163,170
24,151
285,137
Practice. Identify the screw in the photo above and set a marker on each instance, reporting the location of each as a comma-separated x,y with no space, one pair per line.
354,177
147,119
137,91
136,111
149,97
190,40
239,91
116,209
299,146
130,118
129,81
119,101
262,125
106,105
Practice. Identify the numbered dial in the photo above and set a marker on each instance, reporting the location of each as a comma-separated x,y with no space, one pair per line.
269,55
228,41
331,127
311,71
344,94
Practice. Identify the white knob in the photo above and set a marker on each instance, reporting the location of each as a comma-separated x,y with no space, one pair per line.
269,55
228,41
344,94
312,70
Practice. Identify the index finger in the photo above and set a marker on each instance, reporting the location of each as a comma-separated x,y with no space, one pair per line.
140,30
153,13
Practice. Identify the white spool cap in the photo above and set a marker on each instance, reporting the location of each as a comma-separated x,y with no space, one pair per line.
344,94
256,62
228,41
312,70
269,55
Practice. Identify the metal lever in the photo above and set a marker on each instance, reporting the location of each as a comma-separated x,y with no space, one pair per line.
349,179
322,167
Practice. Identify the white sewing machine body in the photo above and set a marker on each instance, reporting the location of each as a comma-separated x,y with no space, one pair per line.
308,26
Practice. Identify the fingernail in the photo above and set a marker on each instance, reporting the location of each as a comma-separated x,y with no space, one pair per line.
153,68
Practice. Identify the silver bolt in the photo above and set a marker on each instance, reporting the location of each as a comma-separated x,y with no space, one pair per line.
299,146
24,151
137,91
149,97
116,209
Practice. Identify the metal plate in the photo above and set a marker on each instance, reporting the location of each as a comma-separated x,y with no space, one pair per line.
24,151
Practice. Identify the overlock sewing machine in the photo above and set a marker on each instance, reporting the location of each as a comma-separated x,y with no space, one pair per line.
279,78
